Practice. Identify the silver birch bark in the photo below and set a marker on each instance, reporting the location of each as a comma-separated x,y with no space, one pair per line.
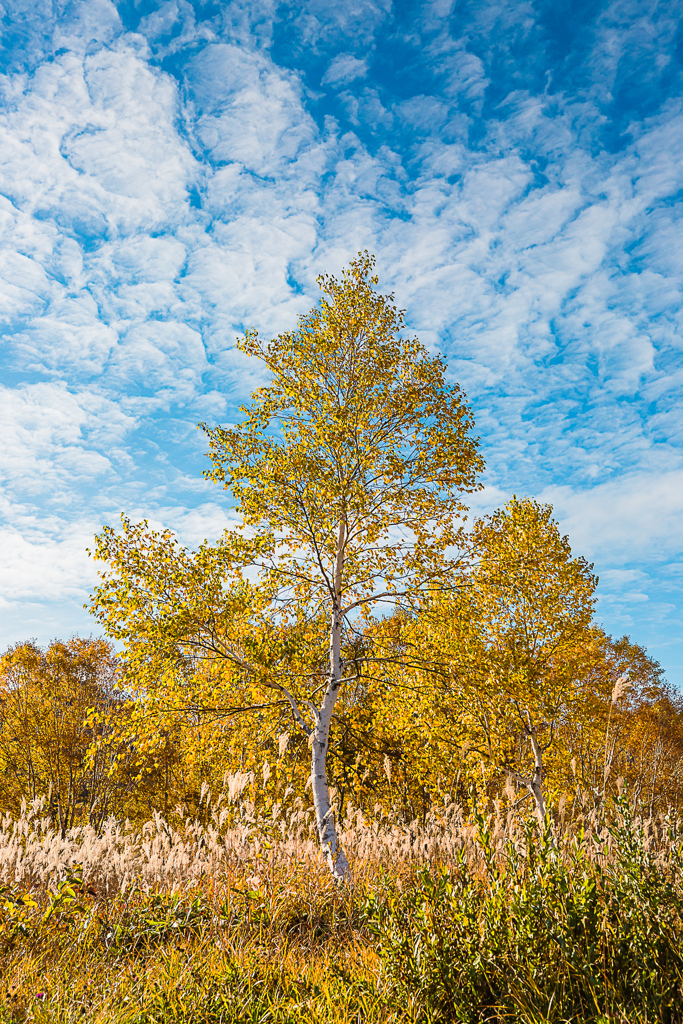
534,783
324,811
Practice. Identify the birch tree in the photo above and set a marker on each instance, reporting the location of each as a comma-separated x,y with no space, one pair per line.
348,474
506,656
624,728
535,604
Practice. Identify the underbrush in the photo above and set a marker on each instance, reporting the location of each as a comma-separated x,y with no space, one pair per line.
578,929
468,921
215,952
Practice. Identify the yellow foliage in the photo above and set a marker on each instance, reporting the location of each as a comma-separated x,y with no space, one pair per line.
46,699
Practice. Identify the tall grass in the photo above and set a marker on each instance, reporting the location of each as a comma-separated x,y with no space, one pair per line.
234,918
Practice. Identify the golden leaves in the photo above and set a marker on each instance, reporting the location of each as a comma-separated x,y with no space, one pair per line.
358,425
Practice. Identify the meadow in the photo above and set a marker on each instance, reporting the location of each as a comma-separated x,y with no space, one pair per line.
233,917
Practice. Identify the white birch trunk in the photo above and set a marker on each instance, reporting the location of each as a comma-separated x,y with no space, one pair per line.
534,784
324,812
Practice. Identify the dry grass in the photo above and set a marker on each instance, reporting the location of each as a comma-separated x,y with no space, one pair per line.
234,840
235,918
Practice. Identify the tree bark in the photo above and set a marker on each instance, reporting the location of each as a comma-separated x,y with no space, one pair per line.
324,811
534,784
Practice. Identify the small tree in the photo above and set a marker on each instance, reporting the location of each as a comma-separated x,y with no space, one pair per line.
625,728
535,605
348,473
507,655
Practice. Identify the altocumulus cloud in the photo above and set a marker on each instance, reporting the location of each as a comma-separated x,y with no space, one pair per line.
173,172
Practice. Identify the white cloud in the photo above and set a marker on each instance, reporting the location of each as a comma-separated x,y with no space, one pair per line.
636,516
319,21
343,69
55,441
91,158
89,21
249,112
48,562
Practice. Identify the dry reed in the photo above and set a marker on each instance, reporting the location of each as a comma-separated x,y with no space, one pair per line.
236,840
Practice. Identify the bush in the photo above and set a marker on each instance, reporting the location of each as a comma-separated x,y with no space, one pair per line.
549,931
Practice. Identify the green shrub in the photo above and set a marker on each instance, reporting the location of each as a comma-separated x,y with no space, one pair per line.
548,932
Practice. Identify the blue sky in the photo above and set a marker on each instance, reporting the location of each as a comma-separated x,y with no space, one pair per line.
172,172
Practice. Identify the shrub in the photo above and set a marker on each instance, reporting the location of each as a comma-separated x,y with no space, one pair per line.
583,929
